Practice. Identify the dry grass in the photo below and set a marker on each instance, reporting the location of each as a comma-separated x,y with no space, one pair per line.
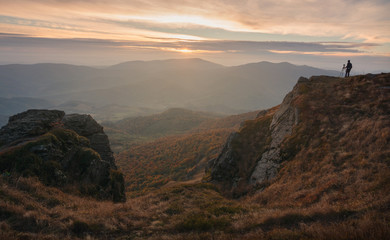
30,210
334,185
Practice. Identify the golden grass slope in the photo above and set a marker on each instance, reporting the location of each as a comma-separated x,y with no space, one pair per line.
334,184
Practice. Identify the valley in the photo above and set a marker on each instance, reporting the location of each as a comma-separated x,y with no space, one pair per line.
316,166
172,146
141,88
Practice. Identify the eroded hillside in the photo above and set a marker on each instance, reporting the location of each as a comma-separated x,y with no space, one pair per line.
328,141
327,146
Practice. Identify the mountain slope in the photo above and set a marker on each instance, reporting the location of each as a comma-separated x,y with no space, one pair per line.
191,140
167,65
332,181
243,88
171,121
185,83
327,141
135,130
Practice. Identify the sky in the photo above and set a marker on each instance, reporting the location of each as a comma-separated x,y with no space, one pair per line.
317,33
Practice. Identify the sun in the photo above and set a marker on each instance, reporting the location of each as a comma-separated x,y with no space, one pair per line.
185,50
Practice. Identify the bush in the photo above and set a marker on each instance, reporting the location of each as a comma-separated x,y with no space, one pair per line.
66,136
174,209
117,186
48,174
83,158
202,222
79,228
225,210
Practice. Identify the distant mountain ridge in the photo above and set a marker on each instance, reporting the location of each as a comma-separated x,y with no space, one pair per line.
186,83
184,64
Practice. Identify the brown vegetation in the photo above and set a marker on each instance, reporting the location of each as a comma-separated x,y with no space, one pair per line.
333,184
29,210
150,165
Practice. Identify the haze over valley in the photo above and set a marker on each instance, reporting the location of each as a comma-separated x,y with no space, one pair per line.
141,88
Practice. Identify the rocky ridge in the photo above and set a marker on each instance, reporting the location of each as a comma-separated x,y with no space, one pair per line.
282,123
62,150
265,163
316,114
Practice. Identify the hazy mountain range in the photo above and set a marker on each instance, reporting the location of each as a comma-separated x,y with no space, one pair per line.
151,86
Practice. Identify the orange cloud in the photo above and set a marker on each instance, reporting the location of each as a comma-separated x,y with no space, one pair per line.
365,20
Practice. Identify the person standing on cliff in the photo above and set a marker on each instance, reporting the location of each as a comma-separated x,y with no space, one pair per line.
349,67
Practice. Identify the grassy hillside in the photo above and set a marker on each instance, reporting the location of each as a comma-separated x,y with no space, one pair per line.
191,140
150,165
30,210
333,183
339,153
173,121
135,130
176,121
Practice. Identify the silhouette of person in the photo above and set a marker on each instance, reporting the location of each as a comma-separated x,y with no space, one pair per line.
349,67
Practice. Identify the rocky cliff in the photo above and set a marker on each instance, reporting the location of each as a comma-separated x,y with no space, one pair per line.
61,150
319,118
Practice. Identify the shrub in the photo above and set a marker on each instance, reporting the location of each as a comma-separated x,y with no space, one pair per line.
79,228
83,158
66,136
174,209
48,174
202,222
117,186
225,210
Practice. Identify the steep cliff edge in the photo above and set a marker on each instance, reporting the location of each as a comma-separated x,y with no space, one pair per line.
67,151
324,121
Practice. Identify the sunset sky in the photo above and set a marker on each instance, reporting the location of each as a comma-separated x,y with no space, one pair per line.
104,32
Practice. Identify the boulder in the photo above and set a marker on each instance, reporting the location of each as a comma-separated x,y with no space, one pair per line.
29,124
86,126
61,150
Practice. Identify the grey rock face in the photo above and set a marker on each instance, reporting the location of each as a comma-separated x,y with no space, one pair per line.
68,149
29,124
86,126
82,124
224,168
266,163
282,123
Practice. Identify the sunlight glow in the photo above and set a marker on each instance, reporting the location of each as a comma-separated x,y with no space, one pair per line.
168,49
178,20
185,50
334,54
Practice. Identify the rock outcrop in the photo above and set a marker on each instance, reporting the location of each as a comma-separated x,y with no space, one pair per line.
61,150
282,123
233,168
324,125
252,156
29,124
86,126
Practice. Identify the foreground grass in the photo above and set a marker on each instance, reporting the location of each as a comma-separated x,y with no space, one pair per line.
29,210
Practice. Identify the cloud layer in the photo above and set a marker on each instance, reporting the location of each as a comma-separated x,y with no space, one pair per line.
285,27
366,20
